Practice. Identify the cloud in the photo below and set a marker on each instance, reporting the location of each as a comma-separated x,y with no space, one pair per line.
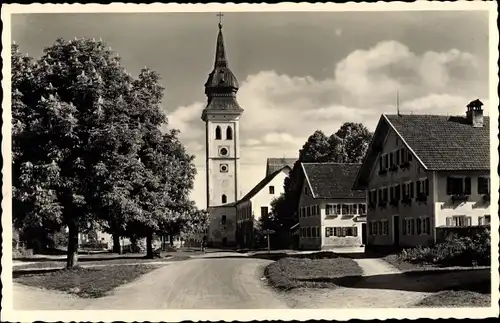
281,111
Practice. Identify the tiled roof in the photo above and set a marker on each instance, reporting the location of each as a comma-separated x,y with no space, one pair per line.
332,180
274,164
445,143
257,188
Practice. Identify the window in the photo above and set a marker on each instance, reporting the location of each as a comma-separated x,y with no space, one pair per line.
309,233
405,227
229,133
458,186
333,209
362,209
423,187
408,191
484,220
328,232
271,189
383,163
427,226
380,228
224,198
419,226
218,133
264,211
345,209
385,229
372,198
483,185
375,227
308,211
223,220
459,221
224,168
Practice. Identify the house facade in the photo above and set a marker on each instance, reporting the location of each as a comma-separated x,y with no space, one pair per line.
330,213
257,204
424,172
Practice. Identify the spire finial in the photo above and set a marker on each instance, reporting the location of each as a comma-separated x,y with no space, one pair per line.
220,15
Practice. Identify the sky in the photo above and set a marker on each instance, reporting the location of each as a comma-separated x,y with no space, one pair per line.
298,71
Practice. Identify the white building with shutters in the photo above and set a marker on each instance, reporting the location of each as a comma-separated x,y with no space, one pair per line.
426,172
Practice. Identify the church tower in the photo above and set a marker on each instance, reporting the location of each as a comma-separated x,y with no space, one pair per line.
221,116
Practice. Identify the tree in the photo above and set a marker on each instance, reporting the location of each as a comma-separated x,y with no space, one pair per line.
99,155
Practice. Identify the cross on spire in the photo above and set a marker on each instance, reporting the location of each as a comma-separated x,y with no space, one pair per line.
220,15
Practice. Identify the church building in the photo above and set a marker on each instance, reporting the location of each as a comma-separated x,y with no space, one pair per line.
221,116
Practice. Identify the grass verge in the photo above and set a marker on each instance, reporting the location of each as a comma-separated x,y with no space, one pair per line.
476,295
86,282
310,272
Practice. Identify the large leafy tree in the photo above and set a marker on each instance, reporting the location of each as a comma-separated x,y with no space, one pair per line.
99,158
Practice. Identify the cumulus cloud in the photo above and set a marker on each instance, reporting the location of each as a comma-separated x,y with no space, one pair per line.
281,111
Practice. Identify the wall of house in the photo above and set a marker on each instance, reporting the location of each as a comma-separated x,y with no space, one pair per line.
245,224
340,221
218,231
413,211
475,206
263,198
313,221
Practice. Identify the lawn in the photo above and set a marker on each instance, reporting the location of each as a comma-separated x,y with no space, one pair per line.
310,271
86,282
98,260
474,295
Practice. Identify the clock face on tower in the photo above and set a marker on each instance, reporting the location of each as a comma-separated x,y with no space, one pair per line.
223,151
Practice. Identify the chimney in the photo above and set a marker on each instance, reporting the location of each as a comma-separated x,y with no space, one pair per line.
475,113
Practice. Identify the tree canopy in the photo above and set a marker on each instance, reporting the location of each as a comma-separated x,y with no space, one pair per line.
87,145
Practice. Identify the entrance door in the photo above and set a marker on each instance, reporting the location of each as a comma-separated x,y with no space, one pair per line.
363,233
224,241
395,230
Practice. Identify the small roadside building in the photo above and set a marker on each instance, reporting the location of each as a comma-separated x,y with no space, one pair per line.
257,204
331,214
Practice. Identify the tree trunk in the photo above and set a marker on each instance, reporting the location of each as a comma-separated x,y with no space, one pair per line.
171,237
72,255
117,248
149,245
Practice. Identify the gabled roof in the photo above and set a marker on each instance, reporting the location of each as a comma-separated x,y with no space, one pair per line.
332,180
273,164
257,188
440,143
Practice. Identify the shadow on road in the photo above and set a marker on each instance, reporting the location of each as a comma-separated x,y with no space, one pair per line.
428,281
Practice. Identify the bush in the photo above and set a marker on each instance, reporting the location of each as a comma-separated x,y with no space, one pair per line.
455,251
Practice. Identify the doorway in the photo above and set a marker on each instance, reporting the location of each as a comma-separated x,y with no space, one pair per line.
363,234
395,229
224,241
